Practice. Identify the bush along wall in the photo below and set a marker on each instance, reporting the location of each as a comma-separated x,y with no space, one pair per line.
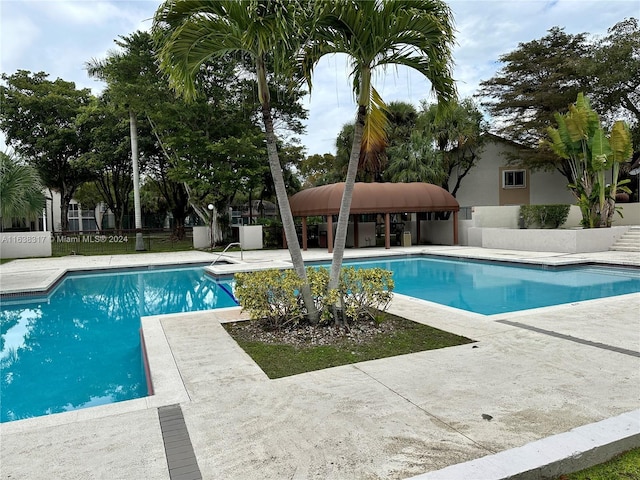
544,216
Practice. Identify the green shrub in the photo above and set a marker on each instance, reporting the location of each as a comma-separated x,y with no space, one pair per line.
544,216
273,296
365,291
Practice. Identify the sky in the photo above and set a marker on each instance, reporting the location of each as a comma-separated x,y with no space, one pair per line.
60,36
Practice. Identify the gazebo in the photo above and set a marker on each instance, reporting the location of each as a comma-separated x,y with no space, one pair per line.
373,198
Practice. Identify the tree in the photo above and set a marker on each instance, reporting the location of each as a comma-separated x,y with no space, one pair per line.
38,118
583,143
215,138
417,34
318,170
126,73
544,76
537,79
20,190
415,161
402,117
108,155
458,134
192,32
614,66
374,156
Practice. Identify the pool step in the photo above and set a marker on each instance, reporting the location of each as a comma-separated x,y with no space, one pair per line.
629,242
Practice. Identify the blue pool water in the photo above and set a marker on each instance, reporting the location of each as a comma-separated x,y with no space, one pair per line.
80,346
492,288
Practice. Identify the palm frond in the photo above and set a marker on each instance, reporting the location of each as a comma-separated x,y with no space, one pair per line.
190,32
374,136
20,189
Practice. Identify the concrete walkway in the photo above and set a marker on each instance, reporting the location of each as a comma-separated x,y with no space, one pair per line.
530,376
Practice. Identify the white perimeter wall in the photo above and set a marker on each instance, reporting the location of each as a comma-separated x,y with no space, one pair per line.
25,244
498,227
546,240
251,237
201,237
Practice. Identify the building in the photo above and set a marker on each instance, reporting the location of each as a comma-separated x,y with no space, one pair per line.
493,181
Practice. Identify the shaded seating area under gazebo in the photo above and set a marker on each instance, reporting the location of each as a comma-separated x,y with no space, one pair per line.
373,198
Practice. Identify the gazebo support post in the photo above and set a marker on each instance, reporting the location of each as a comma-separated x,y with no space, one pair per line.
330,233
418,215
304,234
455,228
387,228
356,243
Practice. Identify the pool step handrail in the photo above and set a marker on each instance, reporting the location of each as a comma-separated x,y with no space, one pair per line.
233,244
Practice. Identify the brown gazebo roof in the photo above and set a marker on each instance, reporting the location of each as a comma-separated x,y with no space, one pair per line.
374,198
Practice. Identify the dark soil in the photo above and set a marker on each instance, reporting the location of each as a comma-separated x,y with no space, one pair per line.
310,335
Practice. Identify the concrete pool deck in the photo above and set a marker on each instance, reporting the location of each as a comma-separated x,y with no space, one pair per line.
530,379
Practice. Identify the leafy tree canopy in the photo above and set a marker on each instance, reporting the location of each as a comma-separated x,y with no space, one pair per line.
544,76
537,79
615,67
458,136
317,170
109,156
38,118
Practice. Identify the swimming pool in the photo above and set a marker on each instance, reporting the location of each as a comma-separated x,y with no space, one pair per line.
79,346
491,288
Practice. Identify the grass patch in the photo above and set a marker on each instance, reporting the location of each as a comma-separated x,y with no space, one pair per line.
401,336
622,467
113,244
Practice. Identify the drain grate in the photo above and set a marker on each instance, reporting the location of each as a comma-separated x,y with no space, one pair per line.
177,445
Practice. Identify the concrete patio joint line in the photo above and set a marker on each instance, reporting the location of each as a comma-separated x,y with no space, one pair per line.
426,412
570,338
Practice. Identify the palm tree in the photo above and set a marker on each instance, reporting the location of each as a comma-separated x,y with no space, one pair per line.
414,33
190,32
20,189
122,72
458,135
415,161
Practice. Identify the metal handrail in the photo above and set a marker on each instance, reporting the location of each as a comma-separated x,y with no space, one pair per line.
238,244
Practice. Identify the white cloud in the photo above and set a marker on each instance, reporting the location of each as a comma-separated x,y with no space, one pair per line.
79,12
19,35
59,36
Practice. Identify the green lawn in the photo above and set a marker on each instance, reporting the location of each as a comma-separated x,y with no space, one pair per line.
622,467
113,244
281,360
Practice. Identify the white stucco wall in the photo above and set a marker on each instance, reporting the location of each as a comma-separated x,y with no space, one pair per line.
366,234
201,237
482,184
25,244
549,188
251,237
557,240
437,232
630,212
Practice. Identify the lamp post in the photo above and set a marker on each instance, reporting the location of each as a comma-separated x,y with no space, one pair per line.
210,207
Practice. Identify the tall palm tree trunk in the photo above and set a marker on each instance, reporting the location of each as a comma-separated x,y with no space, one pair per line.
281,191
350,180
137,209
